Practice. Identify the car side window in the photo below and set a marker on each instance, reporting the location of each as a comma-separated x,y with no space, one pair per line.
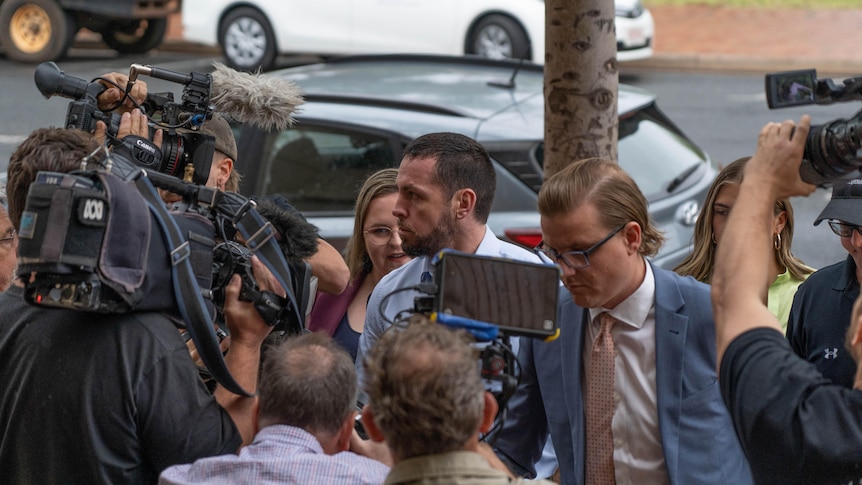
321,170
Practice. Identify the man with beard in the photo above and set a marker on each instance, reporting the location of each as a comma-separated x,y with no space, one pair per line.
446,185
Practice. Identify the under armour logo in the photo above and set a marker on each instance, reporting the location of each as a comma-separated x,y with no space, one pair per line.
830,353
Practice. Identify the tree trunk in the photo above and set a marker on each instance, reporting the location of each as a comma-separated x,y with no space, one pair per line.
581,81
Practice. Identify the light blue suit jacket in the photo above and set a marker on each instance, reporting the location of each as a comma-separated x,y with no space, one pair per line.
698,438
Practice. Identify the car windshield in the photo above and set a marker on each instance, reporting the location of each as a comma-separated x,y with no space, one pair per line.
652,153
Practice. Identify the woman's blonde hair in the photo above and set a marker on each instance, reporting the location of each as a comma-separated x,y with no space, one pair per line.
378,184
701,261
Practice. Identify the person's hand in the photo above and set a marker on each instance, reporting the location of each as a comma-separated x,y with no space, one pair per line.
775,164
371,449
136,123
224,345
113,95
244,323
131,123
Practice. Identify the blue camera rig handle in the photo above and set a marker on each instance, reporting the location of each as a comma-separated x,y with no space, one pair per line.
481,331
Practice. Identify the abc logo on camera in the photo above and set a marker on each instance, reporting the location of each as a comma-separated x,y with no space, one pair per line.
92,211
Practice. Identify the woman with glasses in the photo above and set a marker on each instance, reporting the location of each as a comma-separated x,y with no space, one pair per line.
373,251
787,271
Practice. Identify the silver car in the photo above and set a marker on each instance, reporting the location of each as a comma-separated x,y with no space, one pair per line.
362,111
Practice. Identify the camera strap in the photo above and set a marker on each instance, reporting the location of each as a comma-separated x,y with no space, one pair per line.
193,309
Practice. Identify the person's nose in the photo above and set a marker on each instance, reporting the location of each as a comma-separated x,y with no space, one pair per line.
567,270
856,239
395,238
400,210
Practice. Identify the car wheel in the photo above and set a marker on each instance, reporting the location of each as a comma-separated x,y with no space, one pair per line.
35,30
247,40
137,37
499,37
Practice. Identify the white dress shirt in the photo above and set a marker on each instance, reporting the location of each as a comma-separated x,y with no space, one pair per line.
638,453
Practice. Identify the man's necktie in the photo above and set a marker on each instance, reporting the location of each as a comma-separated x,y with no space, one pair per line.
600,406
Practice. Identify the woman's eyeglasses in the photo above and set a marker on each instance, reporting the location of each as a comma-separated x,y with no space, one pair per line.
379,236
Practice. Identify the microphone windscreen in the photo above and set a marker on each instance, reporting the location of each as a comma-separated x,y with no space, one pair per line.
264,101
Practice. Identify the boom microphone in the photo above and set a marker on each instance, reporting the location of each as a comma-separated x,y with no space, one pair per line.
266,102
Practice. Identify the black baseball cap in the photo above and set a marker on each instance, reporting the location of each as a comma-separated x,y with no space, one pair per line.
845,204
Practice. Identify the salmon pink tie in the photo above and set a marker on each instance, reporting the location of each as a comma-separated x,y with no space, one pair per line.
600,406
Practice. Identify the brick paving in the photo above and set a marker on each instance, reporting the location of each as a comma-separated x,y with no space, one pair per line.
824,34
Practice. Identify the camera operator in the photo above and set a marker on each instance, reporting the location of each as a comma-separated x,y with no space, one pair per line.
106,397
327,264
795,426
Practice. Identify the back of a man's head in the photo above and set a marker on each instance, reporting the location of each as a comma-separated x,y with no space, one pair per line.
308,382
424,389
462,163
46,149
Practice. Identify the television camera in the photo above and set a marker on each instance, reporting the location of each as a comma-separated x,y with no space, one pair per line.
182,143
833,151
102,240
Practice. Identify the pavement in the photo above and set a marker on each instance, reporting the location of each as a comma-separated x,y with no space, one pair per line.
719,38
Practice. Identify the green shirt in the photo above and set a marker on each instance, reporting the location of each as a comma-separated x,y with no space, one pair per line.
780,296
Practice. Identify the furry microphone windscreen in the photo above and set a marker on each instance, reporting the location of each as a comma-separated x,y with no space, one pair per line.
297,237
264,101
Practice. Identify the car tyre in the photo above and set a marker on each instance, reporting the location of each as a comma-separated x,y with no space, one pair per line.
137,37
247,40
499,37
35,30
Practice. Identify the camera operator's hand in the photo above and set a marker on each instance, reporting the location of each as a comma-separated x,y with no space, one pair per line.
247,333
244,323
775,164
113,95
131,123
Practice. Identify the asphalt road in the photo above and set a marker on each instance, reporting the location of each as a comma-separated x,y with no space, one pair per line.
723,113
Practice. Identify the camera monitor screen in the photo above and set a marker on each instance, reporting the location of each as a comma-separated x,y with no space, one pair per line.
520,298
791,88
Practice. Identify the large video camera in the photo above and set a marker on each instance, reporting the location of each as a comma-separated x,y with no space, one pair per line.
102,240
833,151
182,144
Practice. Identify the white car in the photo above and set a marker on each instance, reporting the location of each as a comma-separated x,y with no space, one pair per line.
253,32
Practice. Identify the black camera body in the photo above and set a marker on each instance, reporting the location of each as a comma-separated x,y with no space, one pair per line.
91,243
833,151
182,144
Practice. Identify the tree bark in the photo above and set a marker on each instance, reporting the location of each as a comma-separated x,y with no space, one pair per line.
581,82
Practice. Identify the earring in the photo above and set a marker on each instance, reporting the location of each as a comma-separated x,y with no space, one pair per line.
776,241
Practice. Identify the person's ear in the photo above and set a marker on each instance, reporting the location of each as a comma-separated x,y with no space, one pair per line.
371,428
342,441
633,234
489,413
464,202
779,222
224,166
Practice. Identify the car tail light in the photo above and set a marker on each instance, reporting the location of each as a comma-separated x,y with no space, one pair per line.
527,237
